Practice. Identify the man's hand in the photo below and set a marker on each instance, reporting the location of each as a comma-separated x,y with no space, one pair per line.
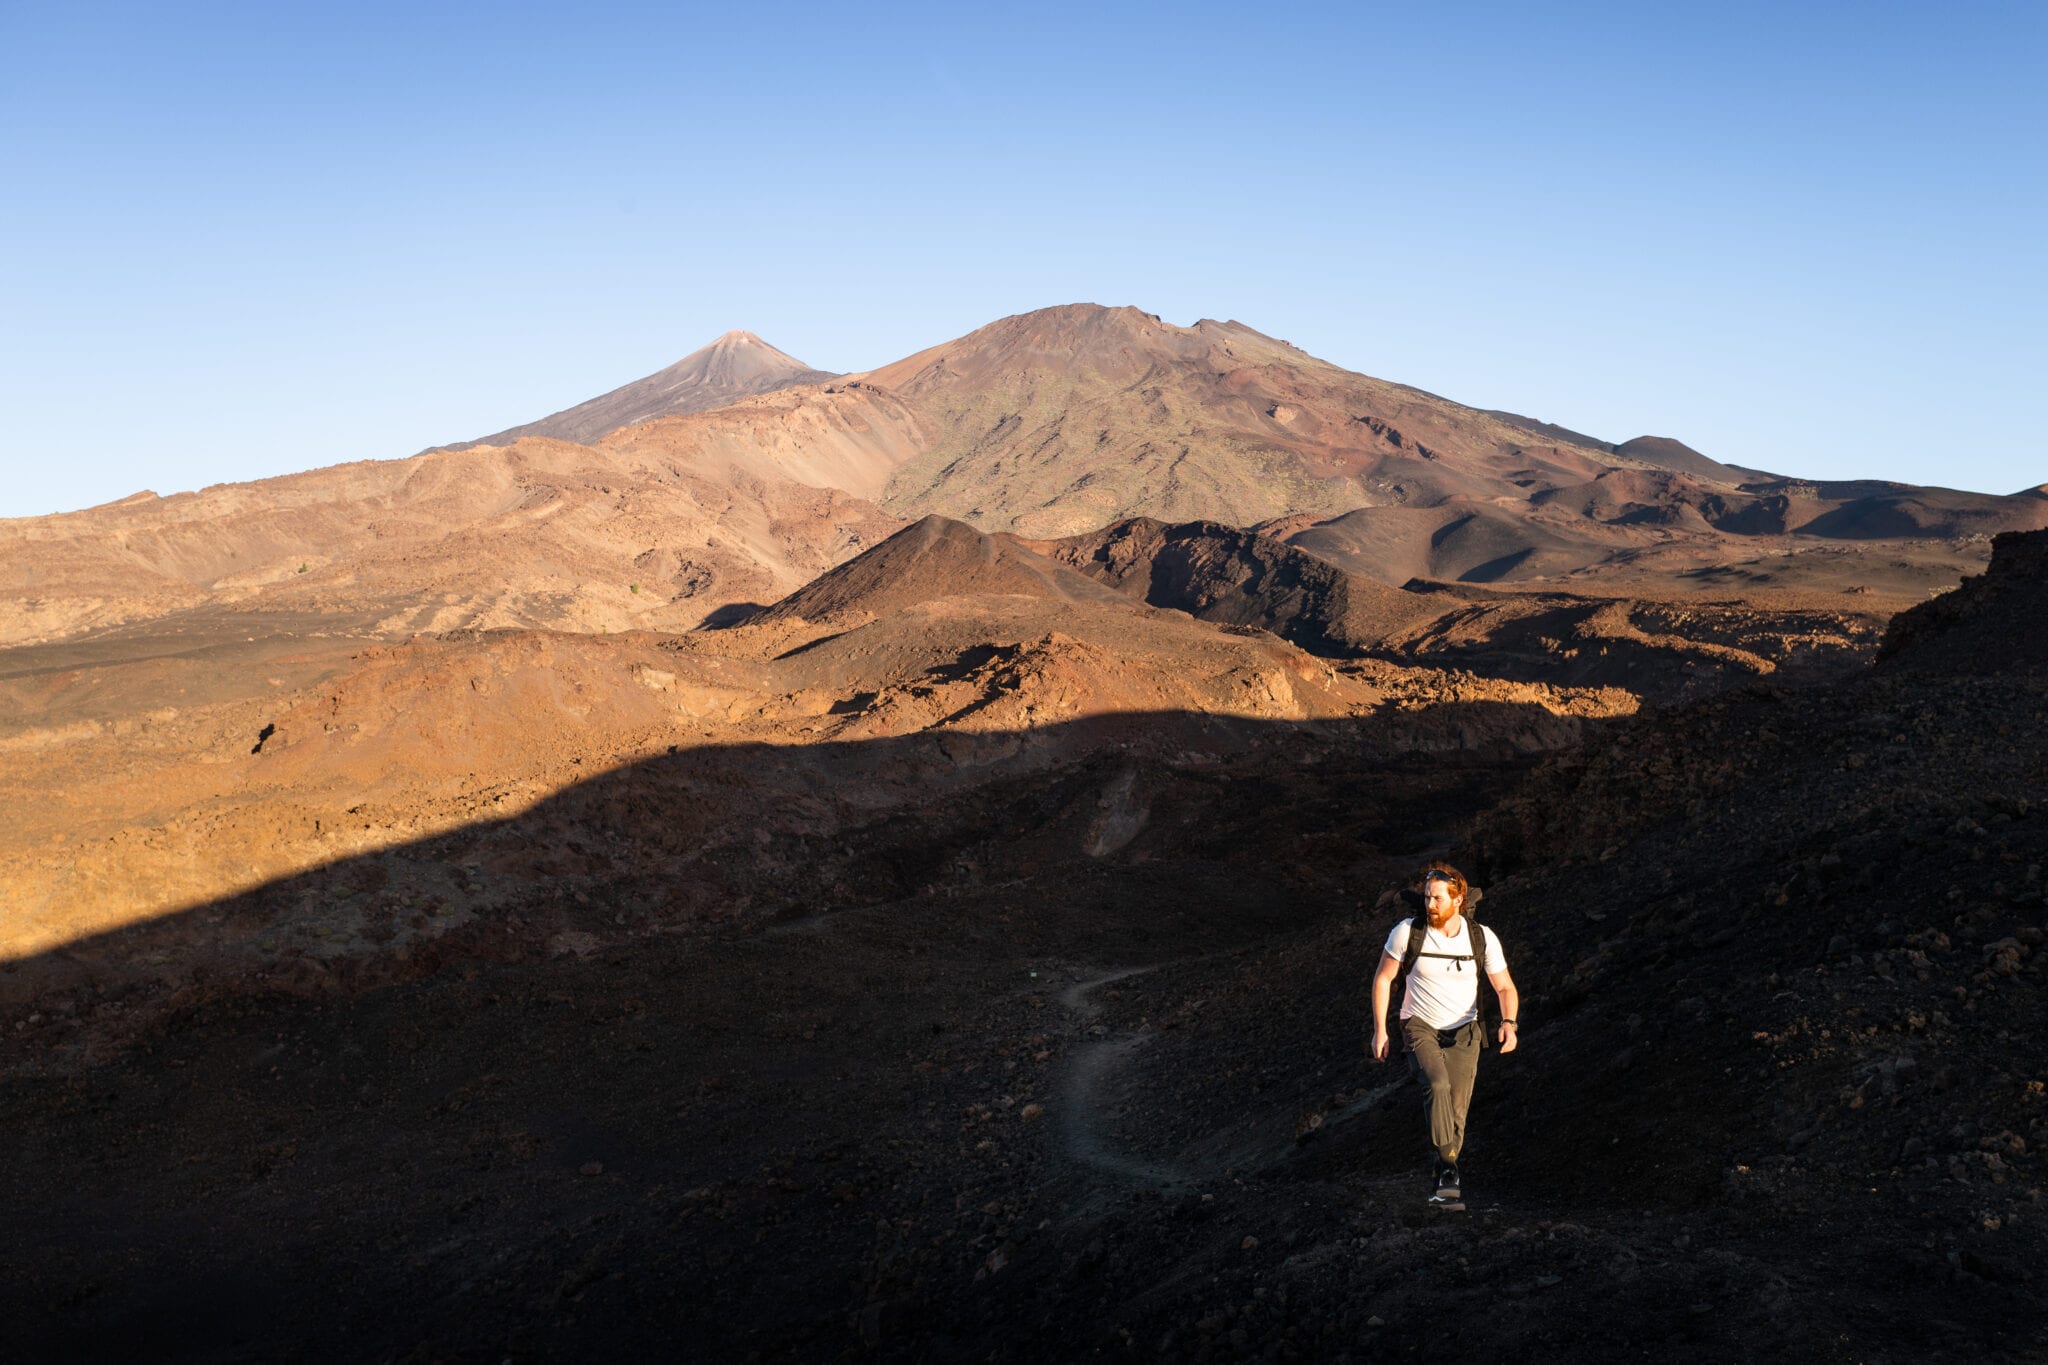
1510,1007
1379,1045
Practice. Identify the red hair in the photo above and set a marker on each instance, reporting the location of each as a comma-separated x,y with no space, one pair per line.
1459,886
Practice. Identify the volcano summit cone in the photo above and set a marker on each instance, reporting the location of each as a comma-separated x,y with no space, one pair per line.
736,365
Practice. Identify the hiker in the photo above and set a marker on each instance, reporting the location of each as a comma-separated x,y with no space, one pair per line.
1441,1016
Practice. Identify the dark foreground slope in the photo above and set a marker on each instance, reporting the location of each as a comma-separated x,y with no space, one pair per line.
1996,622
984,1094
589,1133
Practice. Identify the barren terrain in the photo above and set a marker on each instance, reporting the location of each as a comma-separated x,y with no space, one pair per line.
888,866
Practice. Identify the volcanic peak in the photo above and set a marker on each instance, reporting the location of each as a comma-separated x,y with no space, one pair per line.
1103,343
740,357
737,365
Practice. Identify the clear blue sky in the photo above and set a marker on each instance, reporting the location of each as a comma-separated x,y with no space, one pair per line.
241,240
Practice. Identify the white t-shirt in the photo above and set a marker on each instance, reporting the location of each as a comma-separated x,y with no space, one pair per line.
1441,993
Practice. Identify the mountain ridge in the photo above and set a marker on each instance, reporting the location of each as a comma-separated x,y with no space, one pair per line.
1047,424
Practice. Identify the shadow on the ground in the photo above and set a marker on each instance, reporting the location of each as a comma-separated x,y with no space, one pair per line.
506,1074
841,1053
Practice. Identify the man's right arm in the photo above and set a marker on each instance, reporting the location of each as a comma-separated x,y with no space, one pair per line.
1382,994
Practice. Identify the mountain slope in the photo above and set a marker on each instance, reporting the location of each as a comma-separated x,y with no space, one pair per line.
539,533
734,366
933,558
1059,421
1662,452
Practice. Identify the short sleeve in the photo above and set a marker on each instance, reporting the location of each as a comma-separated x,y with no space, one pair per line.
1397,941
1496,956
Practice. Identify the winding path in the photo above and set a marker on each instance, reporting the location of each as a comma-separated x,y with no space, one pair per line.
1087,1075
1084,1093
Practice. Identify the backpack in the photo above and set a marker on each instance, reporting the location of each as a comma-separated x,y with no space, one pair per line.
1488,1002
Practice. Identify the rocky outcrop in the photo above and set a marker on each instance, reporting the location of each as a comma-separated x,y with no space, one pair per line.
1989,625
1235,577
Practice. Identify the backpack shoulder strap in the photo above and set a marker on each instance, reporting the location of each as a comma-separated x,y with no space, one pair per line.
1418,930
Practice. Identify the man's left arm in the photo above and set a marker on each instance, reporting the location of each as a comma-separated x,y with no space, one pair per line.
1510,1007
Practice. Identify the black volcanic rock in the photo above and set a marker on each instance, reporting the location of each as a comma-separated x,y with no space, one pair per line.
1238,577
1996,622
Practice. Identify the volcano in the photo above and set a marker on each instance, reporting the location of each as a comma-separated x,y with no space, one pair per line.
734,366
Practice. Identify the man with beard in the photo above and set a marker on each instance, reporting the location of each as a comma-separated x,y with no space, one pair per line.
1443,954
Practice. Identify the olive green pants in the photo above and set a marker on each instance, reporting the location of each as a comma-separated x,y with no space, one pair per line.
1446,1061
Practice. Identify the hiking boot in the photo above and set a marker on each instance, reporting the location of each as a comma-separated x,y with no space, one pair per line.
1448,1194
